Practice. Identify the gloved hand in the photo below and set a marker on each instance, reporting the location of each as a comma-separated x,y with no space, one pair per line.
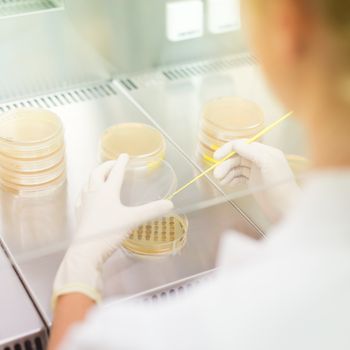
104,222
259,166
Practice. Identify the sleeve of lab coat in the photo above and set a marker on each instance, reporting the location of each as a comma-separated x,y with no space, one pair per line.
181,323
192,321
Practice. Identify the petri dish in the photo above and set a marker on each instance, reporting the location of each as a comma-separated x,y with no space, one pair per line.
225,119
160,237
34,190
148,178
33,164
229,117
145,145
33,178
143,185
32,152
30,133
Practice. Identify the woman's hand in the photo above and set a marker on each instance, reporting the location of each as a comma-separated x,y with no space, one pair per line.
264,169
104,222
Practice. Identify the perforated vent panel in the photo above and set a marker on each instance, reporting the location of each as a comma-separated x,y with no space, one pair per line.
64,98
186,71
175,290
207,67
172,290
34,342
17,7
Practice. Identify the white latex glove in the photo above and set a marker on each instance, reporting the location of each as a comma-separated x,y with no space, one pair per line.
259,166
103,224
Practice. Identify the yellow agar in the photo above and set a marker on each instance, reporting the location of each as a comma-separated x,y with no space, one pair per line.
29,126
158,237
137,140
233,114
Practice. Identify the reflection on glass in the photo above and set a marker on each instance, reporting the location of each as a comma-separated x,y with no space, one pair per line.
34,224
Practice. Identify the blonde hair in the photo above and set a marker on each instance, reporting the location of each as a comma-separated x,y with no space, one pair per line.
335,14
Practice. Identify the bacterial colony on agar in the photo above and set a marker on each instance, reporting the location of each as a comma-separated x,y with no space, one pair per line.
32,153
148,178
158,237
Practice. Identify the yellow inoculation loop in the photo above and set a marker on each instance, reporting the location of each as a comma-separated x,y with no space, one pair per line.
251,140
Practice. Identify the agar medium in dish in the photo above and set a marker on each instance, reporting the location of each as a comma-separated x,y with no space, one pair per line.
161,237
28,133
148,177
145,145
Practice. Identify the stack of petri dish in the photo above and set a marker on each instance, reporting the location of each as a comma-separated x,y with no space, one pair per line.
32,154
148,178
226,119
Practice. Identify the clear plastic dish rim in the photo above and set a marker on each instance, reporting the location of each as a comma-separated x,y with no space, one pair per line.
229,129
167,248
149,158
35,178
43,142
32,191
32,165
225,135
140,169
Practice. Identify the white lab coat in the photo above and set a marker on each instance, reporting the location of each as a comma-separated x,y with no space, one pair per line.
291,291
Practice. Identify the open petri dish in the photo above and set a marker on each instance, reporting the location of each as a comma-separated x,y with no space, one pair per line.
162,237
148,178
226,119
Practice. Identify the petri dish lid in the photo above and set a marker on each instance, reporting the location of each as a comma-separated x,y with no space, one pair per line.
144,185
228,116
209,142
29,127
33,190
144,144
32,164
33,178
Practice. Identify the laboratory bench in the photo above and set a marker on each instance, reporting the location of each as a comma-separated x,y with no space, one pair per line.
35,231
